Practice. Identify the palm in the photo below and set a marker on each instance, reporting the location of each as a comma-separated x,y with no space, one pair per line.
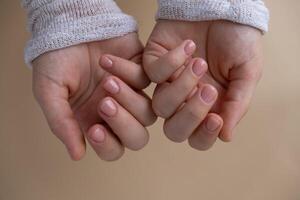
233,55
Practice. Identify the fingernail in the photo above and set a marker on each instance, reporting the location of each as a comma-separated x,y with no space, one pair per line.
106,62
212,124
208,94
189,48
98,135
108,107
198,67
111,86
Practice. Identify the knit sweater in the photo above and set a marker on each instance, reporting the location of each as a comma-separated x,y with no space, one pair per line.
56,24
249,12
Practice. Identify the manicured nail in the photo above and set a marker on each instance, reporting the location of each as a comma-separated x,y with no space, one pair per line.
108,107
111,86
189,48
208,94
98,135
198,67
106,62
212,124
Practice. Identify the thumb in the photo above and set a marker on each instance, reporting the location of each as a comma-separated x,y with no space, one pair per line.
53,99
243,81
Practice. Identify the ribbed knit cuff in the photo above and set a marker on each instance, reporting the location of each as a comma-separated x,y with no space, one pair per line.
55,24
249,12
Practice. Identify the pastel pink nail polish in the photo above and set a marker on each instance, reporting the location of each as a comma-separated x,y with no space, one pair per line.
199,67
98,135
111,86
190,47
212,124
208,94
108,108
106,62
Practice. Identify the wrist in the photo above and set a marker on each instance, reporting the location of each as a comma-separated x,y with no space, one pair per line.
59,24
247,12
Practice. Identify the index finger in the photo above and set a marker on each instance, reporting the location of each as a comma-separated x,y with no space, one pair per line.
160,69
129,71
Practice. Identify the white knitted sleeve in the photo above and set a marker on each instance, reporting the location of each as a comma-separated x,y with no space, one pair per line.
249,12
56,24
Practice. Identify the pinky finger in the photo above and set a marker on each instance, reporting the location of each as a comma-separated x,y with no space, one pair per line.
207,133
104,143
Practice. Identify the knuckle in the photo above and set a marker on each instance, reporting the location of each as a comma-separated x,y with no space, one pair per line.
147,116
154,77
113,155
198,145
151,119
137,146
157,111
173,135
174,60
194,114
139,142
144,83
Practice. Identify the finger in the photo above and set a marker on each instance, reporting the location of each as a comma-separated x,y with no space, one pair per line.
177,73
160,69
182,124
130,72
136,104
206,135
104,143
168,99
54,103
237,98
131,133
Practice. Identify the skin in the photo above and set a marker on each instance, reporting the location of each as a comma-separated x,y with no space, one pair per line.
94,91
233,54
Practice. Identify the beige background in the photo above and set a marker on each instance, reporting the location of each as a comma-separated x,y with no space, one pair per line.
263,163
